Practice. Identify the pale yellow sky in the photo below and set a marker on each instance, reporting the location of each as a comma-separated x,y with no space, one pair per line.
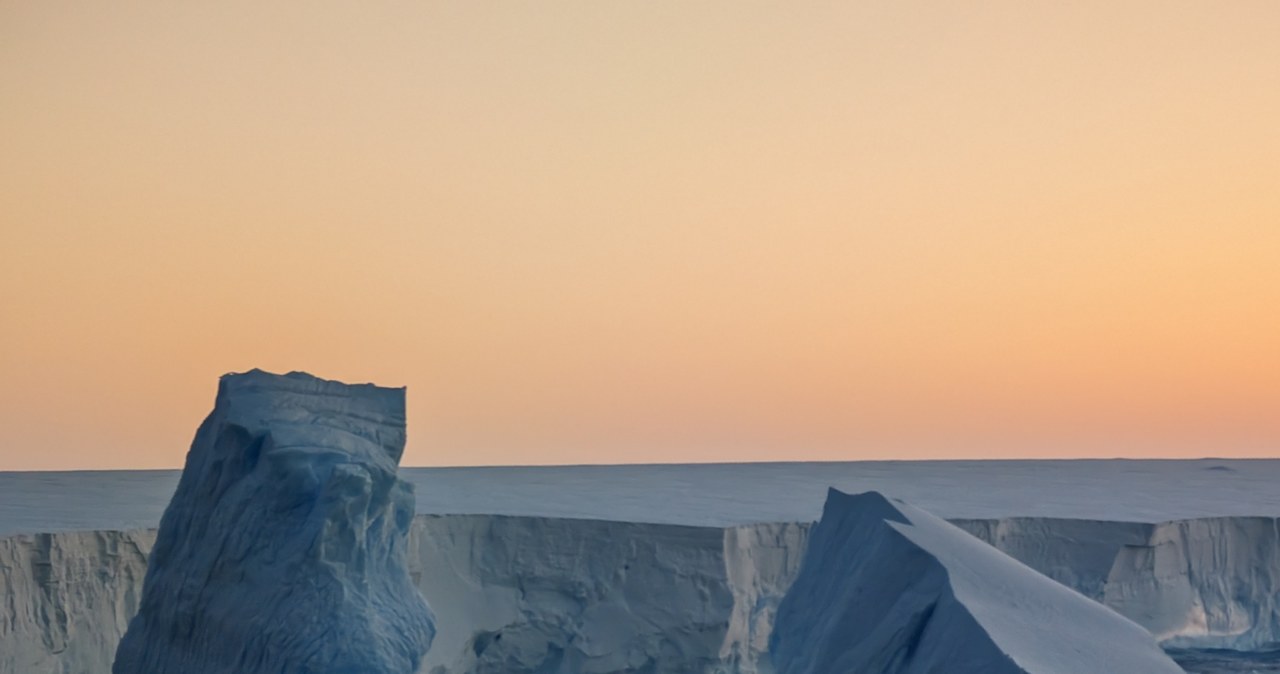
649,231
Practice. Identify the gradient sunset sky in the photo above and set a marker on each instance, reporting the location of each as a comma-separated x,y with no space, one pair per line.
614,232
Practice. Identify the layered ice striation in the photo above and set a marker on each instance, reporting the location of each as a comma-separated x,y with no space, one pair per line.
284,547
887,587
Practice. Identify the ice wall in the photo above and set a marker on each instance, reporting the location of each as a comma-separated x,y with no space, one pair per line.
592,597
1203,583
65,598
283,549
582,596
761,561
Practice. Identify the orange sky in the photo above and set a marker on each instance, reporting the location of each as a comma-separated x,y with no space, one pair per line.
648,231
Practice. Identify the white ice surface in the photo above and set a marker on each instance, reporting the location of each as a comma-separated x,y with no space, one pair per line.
889,588
719,494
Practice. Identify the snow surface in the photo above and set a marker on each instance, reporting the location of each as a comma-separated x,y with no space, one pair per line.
890,588
719,494
283,550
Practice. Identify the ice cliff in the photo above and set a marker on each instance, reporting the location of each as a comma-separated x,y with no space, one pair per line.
515,594
572,596
1201,583
887,587
284,547
521,591
66,598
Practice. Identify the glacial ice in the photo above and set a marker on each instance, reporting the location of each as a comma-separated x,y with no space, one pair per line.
887,587
283,550
509,586
527,594
550,596
1200,583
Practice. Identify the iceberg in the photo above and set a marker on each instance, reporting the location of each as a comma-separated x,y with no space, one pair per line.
284,549
887,587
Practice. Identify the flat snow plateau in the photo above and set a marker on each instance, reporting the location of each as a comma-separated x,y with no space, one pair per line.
719,494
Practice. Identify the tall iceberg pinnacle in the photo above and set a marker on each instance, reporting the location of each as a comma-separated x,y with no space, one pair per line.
284,547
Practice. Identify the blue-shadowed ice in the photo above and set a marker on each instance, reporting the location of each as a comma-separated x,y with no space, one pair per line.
890,588
283,550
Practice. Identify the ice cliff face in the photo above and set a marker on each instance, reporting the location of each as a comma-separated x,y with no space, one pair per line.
552,596
557,596
521,590
887,587
1203,583
761,562
66,598
572,596
283,549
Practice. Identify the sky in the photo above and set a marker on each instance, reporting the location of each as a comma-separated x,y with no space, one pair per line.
627,232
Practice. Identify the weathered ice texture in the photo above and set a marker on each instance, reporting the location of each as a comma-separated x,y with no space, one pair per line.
283,549
1204,583
67,597
572,596
889,588
761,561
515,594
594,597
